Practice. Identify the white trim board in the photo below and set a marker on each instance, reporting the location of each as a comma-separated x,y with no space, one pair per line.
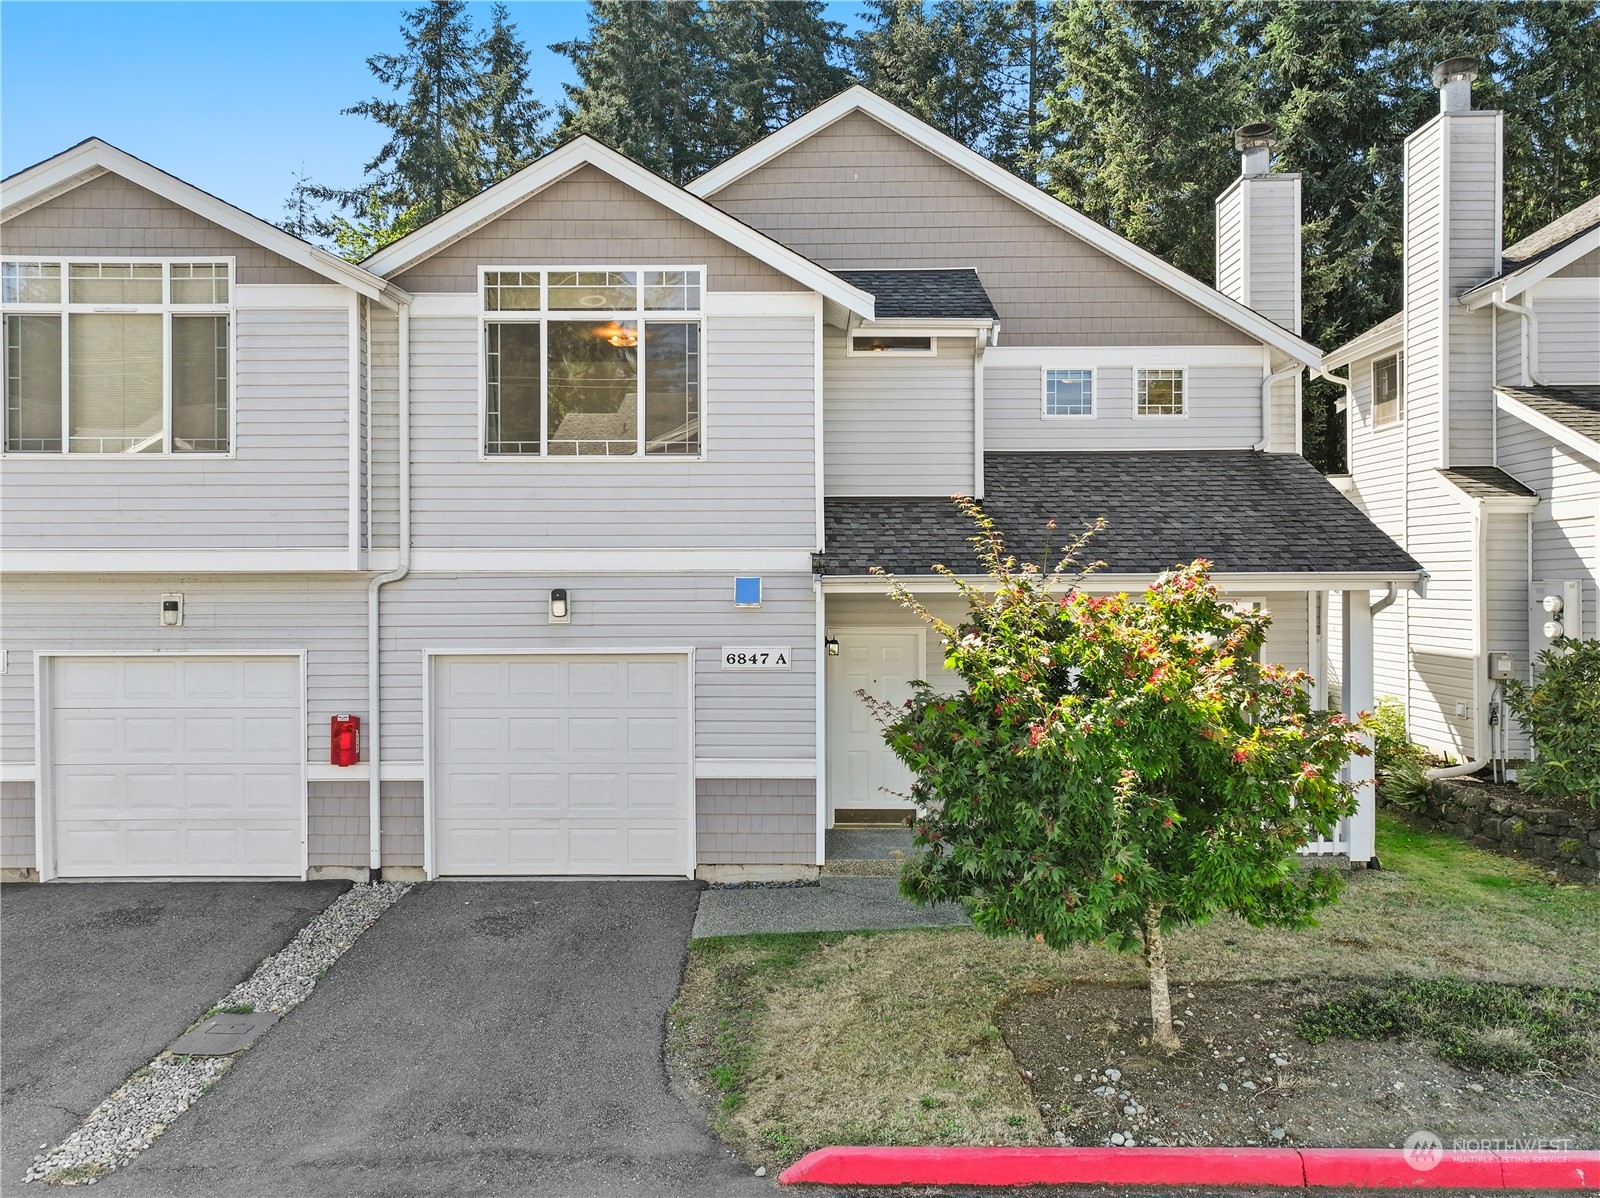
88,160
1101,584
1066,356
1553,429
495,201
175,561
859,99
1514,283
755,767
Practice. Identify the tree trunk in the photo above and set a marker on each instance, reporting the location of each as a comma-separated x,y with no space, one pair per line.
1155,961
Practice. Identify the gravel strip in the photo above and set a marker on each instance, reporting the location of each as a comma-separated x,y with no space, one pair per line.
126,1123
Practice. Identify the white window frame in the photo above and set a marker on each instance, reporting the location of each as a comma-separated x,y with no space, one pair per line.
852,352
166,309
1138,383
543,315
1044,393
1399,390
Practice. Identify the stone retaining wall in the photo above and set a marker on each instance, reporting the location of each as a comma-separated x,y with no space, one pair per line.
1557,840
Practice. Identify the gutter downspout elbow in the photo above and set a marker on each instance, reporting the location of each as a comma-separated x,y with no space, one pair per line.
1531,365
1387,600
374,682
1266,403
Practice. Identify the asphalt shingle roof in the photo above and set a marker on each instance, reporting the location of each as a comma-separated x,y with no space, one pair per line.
1552,237
1576,407
1247,512
1486,482
929,294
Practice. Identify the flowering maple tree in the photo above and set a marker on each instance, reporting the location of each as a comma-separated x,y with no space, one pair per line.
1118,766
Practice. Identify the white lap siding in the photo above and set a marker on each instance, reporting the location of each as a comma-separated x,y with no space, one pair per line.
1566,524
755,488
286,486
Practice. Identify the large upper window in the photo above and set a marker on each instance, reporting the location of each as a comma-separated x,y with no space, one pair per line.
1388,397
592,363
116,357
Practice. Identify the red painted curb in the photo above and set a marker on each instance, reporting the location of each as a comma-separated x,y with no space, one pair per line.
1037,1166
1356,1168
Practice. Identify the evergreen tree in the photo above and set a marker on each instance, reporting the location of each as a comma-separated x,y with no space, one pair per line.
773,61
511,118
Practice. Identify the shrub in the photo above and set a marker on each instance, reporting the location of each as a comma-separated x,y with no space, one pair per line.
1562,715
1402,767
1117,767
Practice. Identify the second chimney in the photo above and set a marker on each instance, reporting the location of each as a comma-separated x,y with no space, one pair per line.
1258,232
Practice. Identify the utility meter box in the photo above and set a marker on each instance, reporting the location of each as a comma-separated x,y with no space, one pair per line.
1555,609
1500,667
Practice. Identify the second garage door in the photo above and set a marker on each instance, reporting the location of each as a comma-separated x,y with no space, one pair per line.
561,765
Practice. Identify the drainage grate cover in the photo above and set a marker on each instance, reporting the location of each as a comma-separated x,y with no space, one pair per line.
223,1034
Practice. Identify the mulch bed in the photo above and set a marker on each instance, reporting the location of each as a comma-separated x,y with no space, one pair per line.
1245,1077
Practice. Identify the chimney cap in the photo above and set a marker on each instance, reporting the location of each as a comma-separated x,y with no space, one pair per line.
1453,70
1259,135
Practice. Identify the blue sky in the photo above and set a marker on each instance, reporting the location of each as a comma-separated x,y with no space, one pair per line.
232,97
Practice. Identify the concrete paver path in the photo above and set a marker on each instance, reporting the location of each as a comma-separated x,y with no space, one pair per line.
480,1038
97,978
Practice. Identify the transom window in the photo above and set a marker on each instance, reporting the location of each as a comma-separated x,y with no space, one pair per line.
1388,398
1161,392
118,357
592,363
1069,393
882,343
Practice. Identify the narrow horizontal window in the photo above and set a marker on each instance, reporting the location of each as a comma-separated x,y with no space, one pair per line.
1069,393
871,344
1161,393
129,358
1388,399
596,290
511,291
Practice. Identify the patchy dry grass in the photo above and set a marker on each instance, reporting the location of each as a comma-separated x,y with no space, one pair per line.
795,1042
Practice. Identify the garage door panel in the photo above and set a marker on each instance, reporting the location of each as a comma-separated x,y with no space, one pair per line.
473,735
177,767
608,743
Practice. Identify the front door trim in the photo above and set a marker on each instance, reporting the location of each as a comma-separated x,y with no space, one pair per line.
918,630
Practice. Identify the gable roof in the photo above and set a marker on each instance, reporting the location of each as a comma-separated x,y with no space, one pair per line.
1540,254
1487,482
1249,513
89,159
1380,336
495,201
929,293
1035,200
1572,414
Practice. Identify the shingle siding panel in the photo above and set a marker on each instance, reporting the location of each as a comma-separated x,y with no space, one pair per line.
755,821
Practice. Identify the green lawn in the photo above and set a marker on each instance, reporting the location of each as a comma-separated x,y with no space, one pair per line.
801,1041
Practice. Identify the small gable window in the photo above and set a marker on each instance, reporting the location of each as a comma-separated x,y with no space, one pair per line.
873,343
1069,393
1388,397
592,363
117,357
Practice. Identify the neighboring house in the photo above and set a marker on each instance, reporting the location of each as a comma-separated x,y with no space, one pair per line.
572,496
1474,435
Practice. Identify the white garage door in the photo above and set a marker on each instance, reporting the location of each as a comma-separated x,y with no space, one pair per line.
176,766
561,765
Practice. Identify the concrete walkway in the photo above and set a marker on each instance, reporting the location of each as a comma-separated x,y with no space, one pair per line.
480,1038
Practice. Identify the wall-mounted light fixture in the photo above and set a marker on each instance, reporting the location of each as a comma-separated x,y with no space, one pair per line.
747,592
172,611
560,610
832,645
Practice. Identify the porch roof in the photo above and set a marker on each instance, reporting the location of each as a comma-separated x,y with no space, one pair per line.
1247,512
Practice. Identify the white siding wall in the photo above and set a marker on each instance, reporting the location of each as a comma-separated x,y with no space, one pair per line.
738,715
898,425
1510,341
1505,593
759,434
1273,261
1230,224
1569,339
1566,524
287,485
384,428
324,617
1223,400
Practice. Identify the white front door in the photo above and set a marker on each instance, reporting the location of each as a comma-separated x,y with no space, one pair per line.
561,765
176,767
862,771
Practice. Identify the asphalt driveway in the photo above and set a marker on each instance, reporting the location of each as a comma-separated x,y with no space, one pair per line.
480,1038
96,979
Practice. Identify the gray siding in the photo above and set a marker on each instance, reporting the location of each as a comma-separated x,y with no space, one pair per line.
1505,597
1230,249
401,817
898,426
17,847
337,825
1586,267
1569,339
590,219
324,617
287,485
759,431
768,714
383,467
857,195
755,821
1273,267
110,216
1566,524
1224,404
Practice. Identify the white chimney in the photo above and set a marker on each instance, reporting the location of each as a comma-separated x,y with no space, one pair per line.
1258,262
1452,242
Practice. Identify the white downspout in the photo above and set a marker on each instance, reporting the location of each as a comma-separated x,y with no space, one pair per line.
374,685
1266,403
1530,360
